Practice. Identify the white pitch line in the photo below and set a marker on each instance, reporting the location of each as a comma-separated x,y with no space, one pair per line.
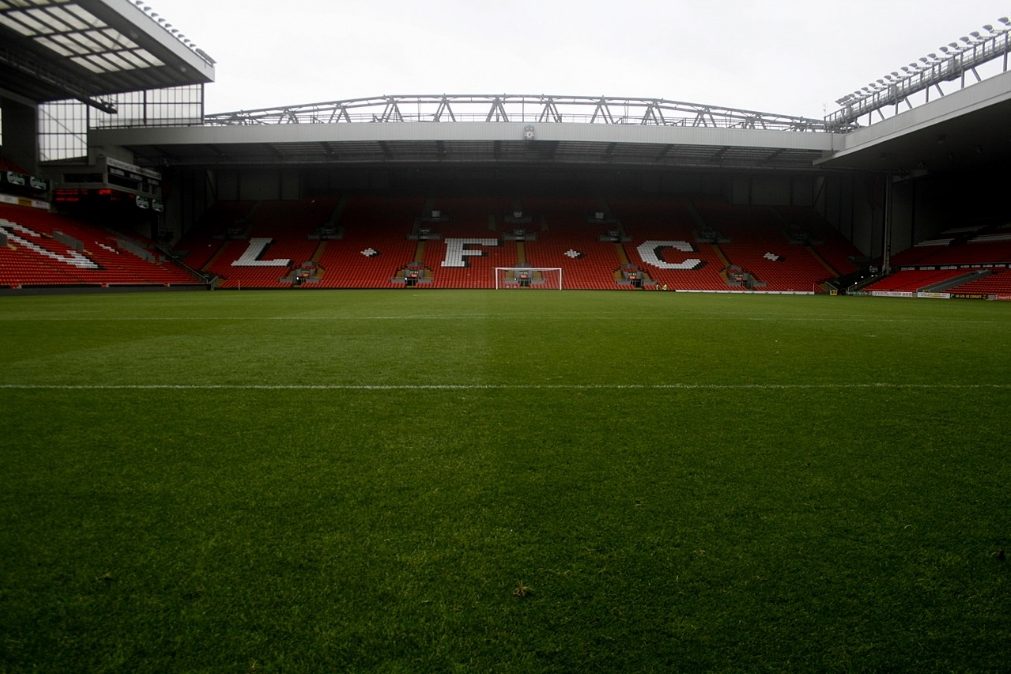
457,317
489,387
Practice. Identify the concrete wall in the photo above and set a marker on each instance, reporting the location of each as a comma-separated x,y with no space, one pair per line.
20,133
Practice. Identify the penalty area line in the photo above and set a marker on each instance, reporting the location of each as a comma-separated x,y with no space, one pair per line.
685,386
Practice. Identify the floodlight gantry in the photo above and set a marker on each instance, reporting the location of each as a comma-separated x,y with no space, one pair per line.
955,60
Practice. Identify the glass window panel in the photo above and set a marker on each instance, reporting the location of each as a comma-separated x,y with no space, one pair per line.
70,44
149,57
50,21
119,38
132,59
85,63
102,39
87,42
24,23
55,46
117,61
68,18
84,15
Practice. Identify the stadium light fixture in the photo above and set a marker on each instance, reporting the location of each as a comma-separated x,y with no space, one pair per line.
988,28
945,50
976,35
1004,20
965,40
932,55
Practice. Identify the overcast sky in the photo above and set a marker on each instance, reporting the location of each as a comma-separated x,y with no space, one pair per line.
783,56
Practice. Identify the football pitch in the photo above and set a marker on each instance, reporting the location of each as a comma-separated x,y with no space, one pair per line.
503,481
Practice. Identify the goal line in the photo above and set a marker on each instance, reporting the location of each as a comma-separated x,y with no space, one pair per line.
528,277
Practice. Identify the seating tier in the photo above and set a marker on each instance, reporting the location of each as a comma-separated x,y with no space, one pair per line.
40,258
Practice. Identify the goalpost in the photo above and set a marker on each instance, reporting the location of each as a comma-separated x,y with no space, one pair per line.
547,278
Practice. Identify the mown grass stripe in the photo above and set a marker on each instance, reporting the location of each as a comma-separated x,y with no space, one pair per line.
481,317
495,387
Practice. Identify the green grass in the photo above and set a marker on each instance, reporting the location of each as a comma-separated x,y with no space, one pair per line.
680,482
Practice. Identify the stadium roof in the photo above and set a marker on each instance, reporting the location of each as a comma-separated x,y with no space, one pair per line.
964,129
447,142
84,49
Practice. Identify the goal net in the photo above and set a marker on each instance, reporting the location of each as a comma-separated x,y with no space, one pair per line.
545,278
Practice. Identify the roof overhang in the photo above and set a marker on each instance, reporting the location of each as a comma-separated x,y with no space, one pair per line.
84,49
964,129
471,142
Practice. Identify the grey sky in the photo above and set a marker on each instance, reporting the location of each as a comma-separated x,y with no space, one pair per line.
788,56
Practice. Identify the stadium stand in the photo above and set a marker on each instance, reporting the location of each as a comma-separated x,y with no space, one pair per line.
915,280
230,230
969,260
962,246
565,239
46,249
374,241
375,244
758,241
471,226
995,282
667,220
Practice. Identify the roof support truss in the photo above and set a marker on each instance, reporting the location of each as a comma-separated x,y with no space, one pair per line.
519,108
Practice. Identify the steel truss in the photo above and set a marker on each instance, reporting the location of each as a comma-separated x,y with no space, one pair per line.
518,108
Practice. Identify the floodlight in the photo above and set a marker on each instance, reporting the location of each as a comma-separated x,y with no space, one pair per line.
1004,20
955,46
976,35
932,55
924,59
988,27
965,39
945,50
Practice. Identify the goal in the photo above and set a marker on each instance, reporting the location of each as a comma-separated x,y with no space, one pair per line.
545,278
